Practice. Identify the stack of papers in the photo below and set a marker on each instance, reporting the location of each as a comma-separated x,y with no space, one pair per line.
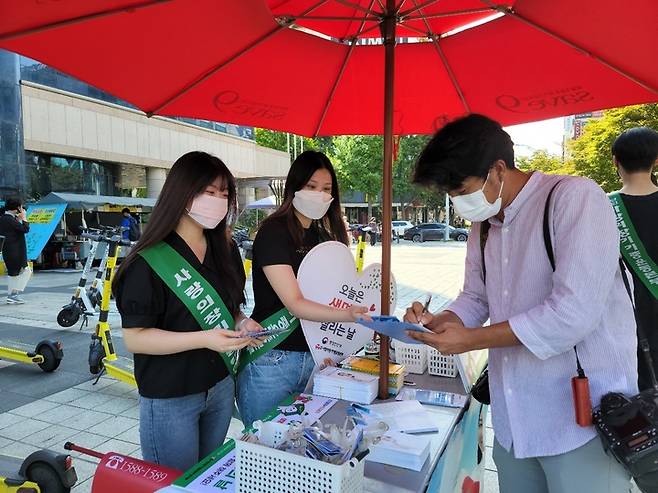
405,416
346,384
401,450
370,365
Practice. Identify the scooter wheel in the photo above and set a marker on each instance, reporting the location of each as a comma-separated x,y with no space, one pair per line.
50,360
47,478
96,355
67,317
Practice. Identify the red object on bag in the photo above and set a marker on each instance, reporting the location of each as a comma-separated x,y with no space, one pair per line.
582,401
118,472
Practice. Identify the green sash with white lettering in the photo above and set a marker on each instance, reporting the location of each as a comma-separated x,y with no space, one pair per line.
200,298
282,319
632,249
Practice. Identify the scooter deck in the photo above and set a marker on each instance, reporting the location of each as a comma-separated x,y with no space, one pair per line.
19,351
122,369
9,467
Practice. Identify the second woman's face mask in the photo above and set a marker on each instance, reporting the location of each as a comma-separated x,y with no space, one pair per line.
208,210
313,205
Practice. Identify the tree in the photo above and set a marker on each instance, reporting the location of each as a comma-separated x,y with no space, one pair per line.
592,152
272,139
358,163
546,163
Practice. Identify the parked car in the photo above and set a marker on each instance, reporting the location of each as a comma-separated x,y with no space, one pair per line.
434,231
400,227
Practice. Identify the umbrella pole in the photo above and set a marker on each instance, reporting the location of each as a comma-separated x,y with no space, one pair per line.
388,27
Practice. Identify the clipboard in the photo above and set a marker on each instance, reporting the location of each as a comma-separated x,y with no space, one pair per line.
394,328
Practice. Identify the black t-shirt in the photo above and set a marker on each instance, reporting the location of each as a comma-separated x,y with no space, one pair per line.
643,211
274,245
144,300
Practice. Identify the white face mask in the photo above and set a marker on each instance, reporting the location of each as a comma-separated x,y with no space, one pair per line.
313,205
475,207
208,210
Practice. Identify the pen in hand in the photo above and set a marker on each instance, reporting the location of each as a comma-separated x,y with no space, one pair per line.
425,306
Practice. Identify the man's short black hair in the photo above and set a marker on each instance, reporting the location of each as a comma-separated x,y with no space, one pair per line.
465,147
636,149
125,211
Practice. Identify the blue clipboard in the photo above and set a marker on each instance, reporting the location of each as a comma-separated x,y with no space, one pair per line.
392,327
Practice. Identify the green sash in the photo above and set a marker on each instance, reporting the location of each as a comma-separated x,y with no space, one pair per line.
282,319
200,298
632,249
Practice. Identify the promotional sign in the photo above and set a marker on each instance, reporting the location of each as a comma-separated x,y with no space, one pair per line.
461,467
43,220
328,275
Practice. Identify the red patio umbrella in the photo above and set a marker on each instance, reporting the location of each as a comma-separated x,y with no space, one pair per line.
328,67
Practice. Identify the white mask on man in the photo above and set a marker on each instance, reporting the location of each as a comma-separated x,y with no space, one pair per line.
313,205
475,207
208,210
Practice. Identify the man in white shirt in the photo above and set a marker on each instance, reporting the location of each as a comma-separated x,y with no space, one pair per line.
537,314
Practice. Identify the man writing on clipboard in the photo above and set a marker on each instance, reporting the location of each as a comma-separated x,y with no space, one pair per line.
554,295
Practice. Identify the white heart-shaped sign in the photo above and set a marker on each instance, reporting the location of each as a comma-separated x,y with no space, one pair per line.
328,275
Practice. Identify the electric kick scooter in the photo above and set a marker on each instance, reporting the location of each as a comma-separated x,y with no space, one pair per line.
47,354
86,299
42,471
102,356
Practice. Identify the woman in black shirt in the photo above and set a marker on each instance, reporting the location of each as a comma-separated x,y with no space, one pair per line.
309,215
14,227
186,391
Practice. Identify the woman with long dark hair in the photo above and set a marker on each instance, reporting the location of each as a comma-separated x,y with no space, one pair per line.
14,227
310,214
185,276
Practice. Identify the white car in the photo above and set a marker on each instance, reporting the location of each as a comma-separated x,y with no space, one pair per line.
399,227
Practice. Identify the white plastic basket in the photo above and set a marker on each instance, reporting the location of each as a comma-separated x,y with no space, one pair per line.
261,469
440,364
412,356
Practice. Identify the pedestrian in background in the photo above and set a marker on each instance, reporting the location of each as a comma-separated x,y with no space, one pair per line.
14,227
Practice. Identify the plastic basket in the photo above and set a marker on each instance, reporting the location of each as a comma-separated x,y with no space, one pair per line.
440,364
412,356
261,469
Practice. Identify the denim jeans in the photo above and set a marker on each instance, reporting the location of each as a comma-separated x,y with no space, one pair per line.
265,382
179,431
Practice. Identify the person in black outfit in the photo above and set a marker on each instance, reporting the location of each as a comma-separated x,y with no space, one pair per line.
310,214
186,392
14,227
635,153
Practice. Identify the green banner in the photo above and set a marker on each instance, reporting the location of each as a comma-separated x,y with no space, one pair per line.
200,298
282,319
632,249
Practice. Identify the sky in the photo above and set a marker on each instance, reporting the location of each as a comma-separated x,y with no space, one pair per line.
546,135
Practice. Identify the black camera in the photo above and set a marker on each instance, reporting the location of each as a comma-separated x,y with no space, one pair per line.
628,427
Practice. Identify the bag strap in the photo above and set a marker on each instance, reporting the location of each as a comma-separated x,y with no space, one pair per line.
484,234
642,341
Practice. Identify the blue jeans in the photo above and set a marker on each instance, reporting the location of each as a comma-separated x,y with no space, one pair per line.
265,382
179,431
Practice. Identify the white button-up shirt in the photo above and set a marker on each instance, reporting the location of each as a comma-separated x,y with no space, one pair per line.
582,303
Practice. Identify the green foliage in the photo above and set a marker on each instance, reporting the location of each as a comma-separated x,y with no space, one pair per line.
272,139
358,162
546,163
592,152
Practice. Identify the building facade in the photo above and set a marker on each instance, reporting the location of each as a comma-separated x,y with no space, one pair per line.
60,134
